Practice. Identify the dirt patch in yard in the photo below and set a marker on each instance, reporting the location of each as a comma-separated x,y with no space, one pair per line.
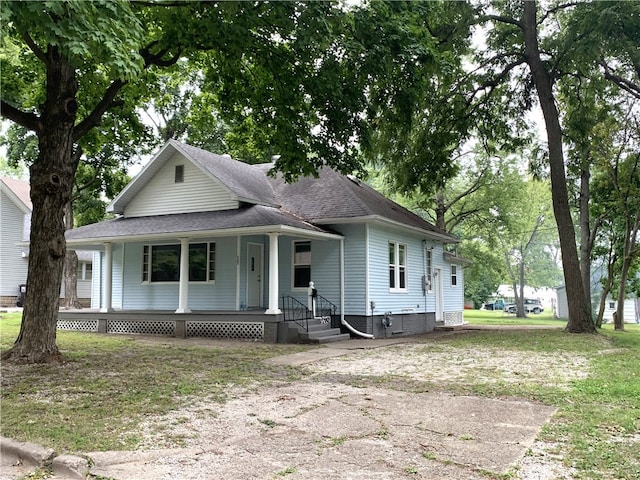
444,364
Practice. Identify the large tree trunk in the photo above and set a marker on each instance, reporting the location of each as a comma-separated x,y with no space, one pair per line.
51,183
579,310
603,304
441,209
585,233
632,225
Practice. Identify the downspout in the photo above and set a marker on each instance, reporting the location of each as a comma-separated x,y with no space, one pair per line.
424,279
342,320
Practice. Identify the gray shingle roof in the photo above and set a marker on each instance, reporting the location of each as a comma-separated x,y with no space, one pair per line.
307,203
248,182
330,196
249,216
336,196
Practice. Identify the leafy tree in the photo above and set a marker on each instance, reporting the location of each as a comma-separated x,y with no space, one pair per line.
310,81
483,277
618,191
515,41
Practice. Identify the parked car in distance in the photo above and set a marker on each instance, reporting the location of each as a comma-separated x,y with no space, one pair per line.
495,305
531,305
510,308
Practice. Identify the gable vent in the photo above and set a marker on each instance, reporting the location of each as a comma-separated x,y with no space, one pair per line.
179,174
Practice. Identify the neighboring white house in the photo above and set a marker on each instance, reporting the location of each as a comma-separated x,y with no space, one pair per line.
255,243
631,307
631,310
15,224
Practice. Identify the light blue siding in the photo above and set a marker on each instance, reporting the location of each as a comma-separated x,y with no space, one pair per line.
325,269
355,268
162,195
13,266
137,295
453,294
413,298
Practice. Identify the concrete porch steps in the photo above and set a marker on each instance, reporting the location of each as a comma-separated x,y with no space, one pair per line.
320,331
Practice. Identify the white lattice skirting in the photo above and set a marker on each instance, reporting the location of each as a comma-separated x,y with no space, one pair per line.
452,319
248,330
145,327
241,330
78,325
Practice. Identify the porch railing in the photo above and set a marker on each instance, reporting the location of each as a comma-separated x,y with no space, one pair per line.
326,309
296,311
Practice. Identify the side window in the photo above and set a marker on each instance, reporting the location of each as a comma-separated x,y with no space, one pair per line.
397,267
454,275
179,174
429,270
301,264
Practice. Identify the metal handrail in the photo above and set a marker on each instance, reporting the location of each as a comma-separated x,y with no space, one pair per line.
296,311
325,308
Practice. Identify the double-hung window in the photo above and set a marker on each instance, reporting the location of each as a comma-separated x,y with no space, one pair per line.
301,264
397,267
161,263
454,275
84,271
429,271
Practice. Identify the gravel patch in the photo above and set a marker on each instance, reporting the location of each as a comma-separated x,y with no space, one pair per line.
445,364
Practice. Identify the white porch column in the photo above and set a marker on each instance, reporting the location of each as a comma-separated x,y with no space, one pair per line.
108,278
273,275
183,300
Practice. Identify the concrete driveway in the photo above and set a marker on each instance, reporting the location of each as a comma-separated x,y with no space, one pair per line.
326,427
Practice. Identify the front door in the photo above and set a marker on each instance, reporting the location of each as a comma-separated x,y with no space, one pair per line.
254,274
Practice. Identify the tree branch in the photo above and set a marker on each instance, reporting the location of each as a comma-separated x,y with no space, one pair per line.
34,48
157,58
623,83
501,19
30,121
555,9
95,117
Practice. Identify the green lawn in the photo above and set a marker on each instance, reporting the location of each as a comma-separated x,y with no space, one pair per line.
96,400
489,317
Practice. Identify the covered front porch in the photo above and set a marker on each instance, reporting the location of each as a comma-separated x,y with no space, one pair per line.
227,283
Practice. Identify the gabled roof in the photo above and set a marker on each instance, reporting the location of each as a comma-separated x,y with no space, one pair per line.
18,191
332,198
246,182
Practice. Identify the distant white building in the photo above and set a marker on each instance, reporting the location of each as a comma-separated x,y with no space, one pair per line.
15,226
631,307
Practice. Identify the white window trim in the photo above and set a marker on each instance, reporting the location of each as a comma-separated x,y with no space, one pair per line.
293,265
175,282
396,264
454,268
